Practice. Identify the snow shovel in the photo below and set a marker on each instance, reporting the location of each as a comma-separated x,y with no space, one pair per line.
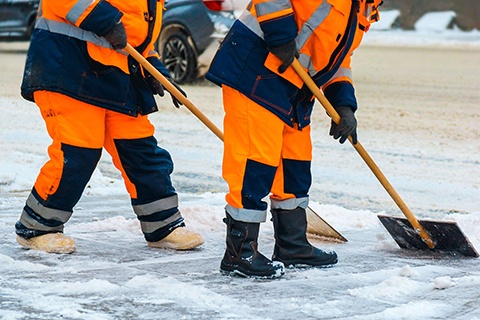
408,233
316,225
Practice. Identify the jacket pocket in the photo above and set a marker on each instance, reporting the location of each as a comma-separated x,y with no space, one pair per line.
105,84
275,93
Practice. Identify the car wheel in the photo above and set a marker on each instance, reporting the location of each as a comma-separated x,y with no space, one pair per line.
179,58
30,26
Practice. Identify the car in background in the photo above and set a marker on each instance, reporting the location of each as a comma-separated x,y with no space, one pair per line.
191,33
17,18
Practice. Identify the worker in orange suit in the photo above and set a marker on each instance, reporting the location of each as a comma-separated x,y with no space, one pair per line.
93,95
267,146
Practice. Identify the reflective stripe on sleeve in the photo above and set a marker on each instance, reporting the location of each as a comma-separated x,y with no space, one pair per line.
268,7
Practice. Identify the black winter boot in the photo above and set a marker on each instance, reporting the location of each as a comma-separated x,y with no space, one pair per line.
291,244
242,257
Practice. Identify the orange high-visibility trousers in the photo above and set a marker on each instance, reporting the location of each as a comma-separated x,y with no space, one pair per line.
262,156
78,124
79,132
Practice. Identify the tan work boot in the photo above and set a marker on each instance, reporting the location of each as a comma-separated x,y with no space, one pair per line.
50,242
179,239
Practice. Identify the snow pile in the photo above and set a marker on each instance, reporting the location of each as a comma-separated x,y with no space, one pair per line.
388,20
432,29
435,21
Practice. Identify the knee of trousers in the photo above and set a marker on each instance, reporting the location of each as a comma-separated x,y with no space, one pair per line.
63,179
148,167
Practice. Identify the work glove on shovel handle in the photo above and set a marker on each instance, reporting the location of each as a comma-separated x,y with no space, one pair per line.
347,126
117,36
286,52
160,90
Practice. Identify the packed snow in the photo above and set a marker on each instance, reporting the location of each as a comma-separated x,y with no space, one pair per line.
114,275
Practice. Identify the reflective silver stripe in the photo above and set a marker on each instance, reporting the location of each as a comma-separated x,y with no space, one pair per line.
289,204
47,213
78,9
306,61
152,226
31,223
72,31
265,8
156,206
343,72
251,22
44,212
312,23
246,215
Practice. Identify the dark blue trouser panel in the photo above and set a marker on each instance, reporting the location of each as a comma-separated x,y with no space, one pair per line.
50,214
257,183
78,166
149,168
297,177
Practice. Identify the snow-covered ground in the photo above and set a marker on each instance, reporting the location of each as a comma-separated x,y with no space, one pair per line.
418,118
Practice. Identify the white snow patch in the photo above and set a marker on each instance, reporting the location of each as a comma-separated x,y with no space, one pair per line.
412,310
8,263
435,21
388,19
443,282
117,223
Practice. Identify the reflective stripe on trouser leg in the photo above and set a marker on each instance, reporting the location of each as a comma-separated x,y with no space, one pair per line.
293,178
36,216
252,153
146,170
74,154
159,218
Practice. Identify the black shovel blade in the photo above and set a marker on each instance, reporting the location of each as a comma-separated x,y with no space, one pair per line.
446,235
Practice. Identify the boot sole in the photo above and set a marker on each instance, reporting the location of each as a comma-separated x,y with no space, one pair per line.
50,242
236,271
302,265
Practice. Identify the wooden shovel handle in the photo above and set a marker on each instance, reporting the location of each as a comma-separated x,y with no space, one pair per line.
365,156
174,91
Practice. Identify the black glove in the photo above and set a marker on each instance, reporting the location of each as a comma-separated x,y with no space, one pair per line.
347,126
286,52
117,36
160,90
175,101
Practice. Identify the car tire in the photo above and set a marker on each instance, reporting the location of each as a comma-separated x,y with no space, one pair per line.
30,26
179,57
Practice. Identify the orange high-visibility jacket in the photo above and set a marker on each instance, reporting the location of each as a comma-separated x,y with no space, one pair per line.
69,55
326,34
